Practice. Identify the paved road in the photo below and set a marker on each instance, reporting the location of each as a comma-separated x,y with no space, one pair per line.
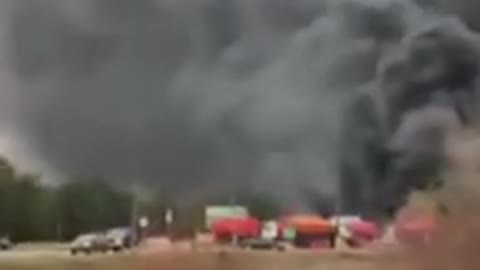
44,252
32,254
56,251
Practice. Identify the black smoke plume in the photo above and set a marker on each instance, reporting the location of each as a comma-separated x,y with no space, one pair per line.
350,100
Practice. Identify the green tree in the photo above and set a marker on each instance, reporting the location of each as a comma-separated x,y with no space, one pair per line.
27,194
91,205
25,211
31,211
7,196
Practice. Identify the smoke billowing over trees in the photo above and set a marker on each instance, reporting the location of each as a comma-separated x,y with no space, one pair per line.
349,99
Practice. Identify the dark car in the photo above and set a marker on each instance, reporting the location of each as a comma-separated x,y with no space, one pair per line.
262,244
119,239
89,243
5,243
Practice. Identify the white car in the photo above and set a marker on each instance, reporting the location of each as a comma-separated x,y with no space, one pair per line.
88,243
119,239
5,243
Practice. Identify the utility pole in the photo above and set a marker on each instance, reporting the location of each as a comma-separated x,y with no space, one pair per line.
134,215
337,208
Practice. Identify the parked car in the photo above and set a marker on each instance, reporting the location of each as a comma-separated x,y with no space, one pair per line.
5,243
262,244
89,243
119,239
269,238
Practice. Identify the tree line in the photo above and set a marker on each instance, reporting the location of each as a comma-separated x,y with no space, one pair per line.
32,211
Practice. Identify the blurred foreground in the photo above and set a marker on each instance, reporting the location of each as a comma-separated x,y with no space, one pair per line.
185,260
455,250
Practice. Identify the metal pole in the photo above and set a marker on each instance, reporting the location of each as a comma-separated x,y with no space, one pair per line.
133,216
336,220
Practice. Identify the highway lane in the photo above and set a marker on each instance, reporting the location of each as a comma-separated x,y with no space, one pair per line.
45,252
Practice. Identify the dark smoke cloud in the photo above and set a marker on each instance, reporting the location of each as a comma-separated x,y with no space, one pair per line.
426,90
289,96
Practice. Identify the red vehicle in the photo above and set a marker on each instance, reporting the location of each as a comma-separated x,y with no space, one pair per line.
362,232
414,229
311,231
225,230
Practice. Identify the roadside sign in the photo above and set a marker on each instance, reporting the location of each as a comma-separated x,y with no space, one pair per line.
270,230
215,213
169,216
143,222
289,234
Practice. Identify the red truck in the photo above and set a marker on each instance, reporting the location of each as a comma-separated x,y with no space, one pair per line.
231,229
